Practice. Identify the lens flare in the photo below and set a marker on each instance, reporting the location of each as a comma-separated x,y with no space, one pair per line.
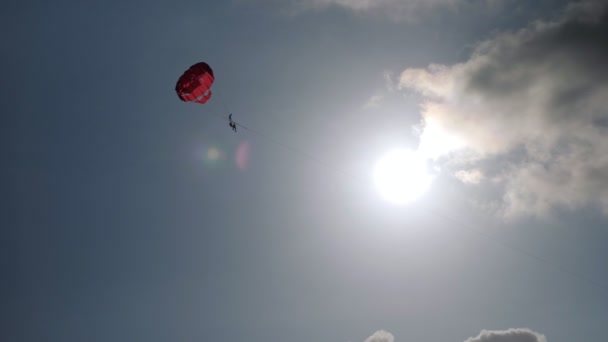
242,155
213,154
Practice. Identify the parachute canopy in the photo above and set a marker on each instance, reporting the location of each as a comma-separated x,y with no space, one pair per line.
194,85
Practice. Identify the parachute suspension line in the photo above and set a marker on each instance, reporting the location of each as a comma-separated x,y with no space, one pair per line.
215,113
433,211
296,151
228,112
189,92
216,90
438,213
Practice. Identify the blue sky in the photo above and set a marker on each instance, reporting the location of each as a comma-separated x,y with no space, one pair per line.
128,217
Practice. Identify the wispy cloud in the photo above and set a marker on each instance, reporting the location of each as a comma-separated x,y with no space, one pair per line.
373,101
371,4
535,101
397,9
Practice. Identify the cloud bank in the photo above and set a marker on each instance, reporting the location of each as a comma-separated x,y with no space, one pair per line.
511,335
530,109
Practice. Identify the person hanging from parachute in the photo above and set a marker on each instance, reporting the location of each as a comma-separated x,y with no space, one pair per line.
194,85
232,124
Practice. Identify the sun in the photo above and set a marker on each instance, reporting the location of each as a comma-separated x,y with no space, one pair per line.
401,176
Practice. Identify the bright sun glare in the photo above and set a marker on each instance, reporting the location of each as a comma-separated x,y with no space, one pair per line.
401,176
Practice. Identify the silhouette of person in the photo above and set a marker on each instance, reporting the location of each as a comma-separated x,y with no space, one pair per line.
232,124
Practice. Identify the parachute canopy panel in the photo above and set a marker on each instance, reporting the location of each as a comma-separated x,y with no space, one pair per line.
194,85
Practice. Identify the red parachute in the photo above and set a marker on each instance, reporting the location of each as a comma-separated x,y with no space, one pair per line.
194,85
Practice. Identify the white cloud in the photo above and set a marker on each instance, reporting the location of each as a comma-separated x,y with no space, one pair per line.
474,176
534,102
510,335
381,336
